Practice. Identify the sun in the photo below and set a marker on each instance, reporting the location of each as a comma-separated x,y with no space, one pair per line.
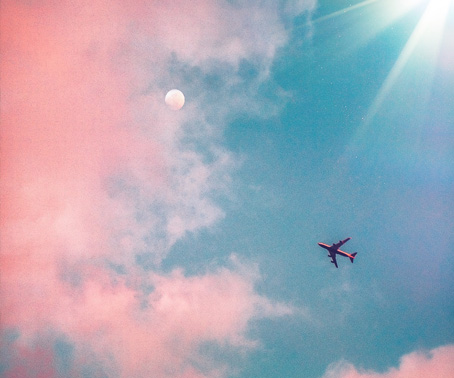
422,45
435,10
417,62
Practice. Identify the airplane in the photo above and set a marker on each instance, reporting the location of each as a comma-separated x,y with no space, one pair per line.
334,249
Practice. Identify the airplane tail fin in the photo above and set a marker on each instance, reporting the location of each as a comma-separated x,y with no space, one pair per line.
353,256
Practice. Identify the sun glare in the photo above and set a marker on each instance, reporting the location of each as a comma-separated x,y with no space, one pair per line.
419,56
423,44
437,11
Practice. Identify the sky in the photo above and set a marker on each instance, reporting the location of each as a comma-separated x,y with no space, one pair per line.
143,241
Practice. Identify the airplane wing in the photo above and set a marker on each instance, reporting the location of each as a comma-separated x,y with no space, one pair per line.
332,254
341,243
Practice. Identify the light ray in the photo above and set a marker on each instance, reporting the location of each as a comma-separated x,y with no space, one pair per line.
431,24
354,26
344,10
418,58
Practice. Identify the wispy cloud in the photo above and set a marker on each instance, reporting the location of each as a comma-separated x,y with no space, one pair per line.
100,179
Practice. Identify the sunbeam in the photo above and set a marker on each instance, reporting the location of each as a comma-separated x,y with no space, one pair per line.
344,10
418,60
426,36
362,22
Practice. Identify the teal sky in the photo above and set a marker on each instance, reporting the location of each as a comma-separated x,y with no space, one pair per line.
316,172
144,241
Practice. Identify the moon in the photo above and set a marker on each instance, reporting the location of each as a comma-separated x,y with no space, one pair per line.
174,99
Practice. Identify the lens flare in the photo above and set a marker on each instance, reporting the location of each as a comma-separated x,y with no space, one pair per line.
418,58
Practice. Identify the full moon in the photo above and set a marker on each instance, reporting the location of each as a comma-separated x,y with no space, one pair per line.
174,99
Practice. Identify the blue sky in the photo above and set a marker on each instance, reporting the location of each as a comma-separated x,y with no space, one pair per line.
309,175
143,241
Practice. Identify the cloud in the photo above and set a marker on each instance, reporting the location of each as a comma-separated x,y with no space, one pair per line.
438,362
156,334
100,180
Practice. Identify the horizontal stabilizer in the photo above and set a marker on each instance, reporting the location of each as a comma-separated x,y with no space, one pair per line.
353,256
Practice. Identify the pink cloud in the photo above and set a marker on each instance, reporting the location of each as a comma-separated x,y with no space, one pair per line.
219,31
162,337
94,170
438,362
37,361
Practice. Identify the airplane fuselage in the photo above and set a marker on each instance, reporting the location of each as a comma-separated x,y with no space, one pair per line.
334,249
326,246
